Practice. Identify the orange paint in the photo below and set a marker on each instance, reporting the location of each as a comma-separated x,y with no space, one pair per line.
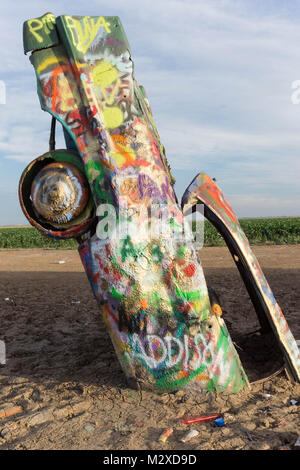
182,374
144,304
216,309
189,271
10,411
121,145
202,377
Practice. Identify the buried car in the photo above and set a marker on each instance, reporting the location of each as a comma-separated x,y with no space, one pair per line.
112,190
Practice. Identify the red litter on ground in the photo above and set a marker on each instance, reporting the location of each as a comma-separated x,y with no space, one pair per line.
279,423
200,419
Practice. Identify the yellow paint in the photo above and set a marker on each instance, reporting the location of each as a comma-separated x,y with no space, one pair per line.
50,61
113,117
110,97
45,23
84,31
71,25
69,98
104,74
49,21
199,304
118,158
118,343
124,155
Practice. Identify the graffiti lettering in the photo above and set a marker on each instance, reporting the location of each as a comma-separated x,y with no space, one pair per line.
170,351
46,23
83,32
109,41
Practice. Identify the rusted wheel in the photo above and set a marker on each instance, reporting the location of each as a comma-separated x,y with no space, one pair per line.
59,193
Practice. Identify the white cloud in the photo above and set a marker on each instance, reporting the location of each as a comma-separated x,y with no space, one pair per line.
218,75
256,205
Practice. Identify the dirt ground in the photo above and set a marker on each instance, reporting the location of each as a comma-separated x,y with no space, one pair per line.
62,371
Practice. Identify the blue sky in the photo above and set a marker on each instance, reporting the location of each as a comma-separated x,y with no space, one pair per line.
218,75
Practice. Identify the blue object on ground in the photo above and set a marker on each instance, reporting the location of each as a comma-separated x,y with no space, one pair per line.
220,422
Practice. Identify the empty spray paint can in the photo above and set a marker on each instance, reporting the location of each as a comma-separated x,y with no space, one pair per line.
189,435
165,435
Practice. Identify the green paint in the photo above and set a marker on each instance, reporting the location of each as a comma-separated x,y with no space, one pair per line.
164,384
224,342
156,253
212,384
180,252
232,372
180,329
40,33
222,339
95,166
236,379
205,315
175,225
127,249
118,268
155,300
196,295
78,33
116,294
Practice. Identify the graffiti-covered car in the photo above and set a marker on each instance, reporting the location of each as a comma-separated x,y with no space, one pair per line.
111,188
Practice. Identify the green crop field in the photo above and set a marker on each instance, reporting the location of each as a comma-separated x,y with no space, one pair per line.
262,231
29,237
267,231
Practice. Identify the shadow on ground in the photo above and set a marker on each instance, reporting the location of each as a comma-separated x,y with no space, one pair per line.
53,329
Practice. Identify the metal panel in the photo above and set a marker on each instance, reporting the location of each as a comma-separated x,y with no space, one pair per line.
219,212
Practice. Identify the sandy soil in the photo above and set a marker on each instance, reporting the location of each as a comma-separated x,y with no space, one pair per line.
62,371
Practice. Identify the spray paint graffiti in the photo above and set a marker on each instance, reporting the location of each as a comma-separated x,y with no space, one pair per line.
41,26
86,30
150,288
204,190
